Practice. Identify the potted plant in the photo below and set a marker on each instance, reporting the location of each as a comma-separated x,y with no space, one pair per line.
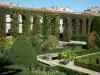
67,56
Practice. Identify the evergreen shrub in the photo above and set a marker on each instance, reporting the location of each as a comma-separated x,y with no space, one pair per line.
22,53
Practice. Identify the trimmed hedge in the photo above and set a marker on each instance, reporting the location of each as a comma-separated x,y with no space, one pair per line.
79,38
47,73
41,73
90,66
69,71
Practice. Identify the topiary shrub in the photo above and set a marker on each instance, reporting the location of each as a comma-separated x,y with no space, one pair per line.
22,53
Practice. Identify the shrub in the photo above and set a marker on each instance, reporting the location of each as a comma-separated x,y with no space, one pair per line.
88,64
22,53
51,43
67,54
91,40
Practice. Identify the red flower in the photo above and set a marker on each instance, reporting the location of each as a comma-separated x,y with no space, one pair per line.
4,34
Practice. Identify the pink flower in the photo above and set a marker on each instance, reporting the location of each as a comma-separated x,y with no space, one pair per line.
94,32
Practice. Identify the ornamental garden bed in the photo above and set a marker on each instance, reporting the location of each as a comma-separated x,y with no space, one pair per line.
91,62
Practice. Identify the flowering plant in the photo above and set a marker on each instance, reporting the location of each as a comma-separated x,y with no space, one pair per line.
91,39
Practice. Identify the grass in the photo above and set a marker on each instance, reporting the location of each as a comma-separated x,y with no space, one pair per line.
77,49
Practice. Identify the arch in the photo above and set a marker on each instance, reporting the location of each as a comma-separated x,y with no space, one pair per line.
87,26
8,20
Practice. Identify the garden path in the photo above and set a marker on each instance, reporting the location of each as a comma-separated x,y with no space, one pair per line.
72,66
91,72
83,70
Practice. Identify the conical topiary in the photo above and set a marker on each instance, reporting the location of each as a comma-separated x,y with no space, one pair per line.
22,53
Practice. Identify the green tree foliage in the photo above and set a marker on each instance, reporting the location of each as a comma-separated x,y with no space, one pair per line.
14,30
22,53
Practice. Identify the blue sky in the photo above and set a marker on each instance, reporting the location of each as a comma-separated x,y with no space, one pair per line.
76,5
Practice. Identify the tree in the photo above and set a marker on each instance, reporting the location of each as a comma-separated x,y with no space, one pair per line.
22,53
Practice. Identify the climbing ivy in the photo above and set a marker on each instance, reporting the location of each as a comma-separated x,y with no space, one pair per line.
14,30
47,28
67,29
55,25
37,26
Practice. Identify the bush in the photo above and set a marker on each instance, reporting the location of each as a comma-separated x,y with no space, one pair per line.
22,53
79,38
67,55
69,71
51,43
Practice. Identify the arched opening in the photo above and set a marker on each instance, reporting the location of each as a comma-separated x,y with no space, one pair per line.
8,21
87,26
61,30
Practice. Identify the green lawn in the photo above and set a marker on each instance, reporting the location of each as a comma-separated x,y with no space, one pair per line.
77,49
